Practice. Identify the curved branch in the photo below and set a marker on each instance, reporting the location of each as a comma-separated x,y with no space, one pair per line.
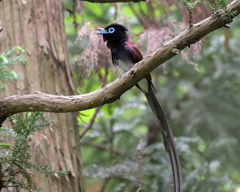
113,91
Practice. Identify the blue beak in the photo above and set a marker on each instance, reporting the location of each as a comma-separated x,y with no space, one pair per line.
104,31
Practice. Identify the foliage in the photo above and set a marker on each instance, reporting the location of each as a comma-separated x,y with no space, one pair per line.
198,90
15,161
7,59
219,6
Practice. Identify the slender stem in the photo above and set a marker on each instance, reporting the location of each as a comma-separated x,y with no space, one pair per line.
139,166
90,123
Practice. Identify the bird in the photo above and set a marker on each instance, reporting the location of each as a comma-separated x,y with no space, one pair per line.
124,56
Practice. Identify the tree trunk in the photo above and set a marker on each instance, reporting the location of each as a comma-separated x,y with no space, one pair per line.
37,26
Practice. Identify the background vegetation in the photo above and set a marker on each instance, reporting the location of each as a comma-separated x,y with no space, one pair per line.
198,89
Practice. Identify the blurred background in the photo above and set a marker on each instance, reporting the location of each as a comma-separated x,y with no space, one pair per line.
199,91
121,144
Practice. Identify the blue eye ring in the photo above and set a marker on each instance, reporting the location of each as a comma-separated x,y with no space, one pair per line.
111,30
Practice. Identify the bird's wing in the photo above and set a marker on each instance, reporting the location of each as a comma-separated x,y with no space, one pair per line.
135,56
146,86
133,52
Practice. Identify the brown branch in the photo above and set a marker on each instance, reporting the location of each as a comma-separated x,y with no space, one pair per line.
102,147
90,123
14,185
111,92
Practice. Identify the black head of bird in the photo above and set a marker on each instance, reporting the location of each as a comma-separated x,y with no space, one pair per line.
114,33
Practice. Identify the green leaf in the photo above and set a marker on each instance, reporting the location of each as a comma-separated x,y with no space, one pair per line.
5,60
5,144
20,49
14,74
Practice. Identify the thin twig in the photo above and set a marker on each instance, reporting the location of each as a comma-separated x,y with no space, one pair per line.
13,185
139,166
105,183
103,147
115,11
90,123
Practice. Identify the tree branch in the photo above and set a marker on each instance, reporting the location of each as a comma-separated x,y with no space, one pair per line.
102,147
111,92
89,124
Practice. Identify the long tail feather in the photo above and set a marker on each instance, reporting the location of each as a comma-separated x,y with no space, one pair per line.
168,138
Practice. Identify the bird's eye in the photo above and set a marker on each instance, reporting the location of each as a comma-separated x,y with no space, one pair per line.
111,30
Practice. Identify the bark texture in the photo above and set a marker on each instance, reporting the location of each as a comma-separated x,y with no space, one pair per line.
37,26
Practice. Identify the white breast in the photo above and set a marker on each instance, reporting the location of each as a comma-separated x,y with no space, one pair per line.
123,67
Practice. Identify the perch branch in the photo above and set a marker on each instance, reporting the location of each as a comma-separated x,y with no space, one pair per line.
111,92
